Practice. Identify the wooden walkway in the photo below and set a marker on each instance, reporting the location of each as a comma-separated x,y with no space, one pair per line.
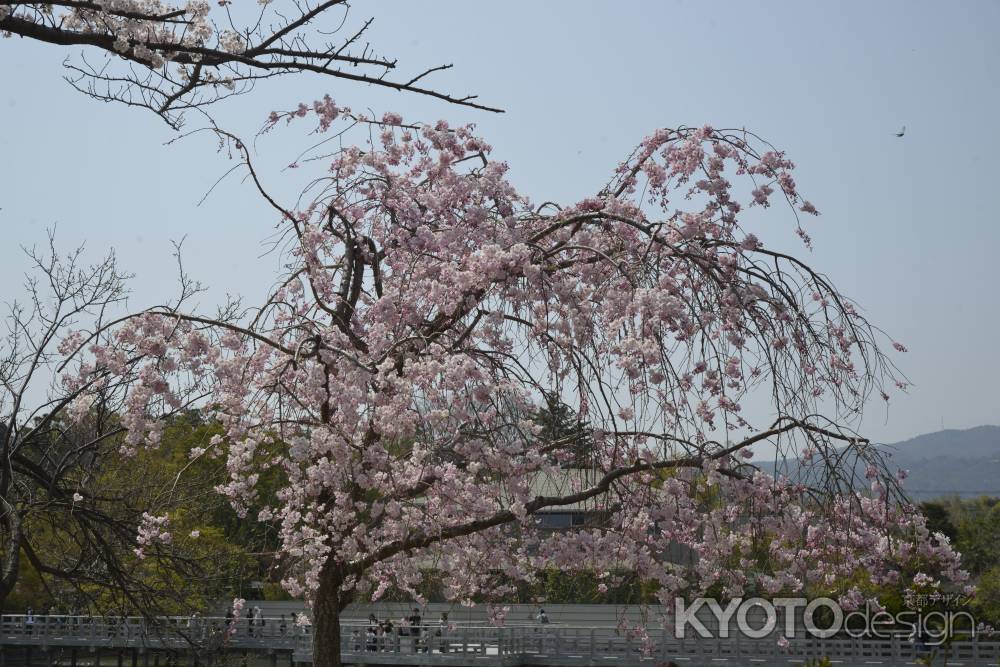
70,640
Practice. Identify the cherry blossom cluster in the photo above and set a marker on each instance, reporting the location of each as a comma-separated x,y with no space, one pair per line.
152,530
149,30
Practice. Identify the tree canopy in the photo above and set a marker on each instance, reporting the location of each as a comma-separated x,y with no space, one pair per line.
429,309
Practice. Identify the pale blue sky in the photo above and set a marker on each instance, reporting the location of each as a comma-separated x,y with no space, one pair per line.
909,226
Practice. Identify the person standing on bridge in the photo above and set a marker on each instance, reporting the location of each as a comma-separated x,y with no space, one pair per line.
443,631
386,634
258,620
919,639
543,620
194,627
415,622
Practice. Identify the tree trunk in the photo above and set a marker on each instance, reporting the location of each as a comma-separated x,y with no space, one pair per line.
326,637
11,562
329,602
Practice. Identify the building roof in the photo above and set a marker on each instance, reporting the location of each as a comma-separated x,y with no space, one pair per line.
568,481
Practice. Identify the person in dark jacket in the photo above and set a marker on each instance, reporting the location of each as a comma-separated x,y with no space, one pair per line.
415,622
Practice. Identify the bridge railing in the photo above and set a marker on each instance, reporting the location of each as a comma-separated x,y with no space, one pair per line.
460,643
184,631
550,644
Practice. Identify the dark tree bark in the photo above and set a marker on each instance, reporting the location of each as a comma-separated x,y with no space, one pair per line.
171,71
331,599
11,562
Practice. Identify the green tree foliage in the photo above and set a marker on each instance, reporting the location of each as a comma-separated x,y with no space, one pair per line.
978,533
212,554
973,525
939,518
561,424
556,587
987,601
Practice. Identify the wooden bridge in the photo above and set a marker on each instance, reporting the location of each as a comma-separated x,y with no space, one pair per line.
73,641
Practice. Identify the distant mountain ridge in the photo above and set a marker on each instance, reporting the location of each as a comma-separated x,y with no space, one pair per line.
977,442
953,462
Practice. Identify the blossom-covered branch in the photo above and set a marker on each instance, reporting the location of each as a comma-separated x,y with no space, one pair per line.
172,58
